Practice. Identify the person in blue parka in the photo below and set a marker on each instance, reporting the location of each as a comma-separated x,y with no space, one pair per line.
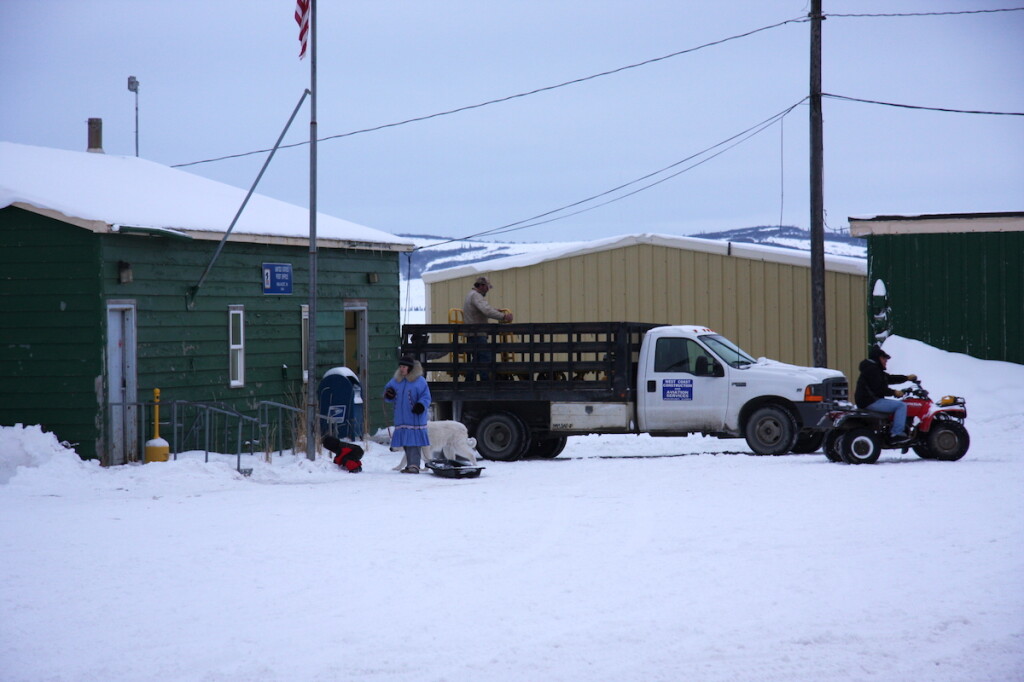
409,392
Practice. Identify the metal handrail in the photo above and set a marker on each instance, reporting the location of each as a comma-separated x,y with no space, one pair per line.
264,410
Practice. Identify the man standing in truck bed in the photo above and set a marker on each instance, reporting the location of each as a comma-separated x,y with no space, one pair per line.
476,310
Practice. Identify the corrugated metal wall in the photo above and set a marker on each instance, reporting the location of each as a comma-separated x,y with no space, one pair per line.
961,292
763,306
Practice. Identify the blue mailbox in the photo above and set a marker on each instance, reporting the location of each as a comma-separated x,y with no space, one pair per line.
341,404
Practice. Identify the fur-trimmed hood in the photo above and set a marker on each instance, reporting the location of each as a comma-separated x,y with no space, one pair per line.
414,373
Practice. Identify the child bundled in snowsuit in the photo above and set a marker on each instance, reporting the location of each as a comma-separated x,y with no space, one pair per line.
409,392
346,455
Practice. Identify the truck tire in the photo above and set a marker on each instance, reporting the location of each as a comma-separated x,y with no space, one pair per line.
771,430
501,436
546,448
948,441
808,442
860,446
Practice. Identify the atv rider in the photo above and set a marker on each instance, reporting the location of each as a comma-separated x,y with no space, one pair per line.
873,387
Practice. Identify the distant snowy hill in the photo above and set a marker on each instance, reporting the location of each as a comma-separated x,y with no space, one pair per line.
836,244
439,253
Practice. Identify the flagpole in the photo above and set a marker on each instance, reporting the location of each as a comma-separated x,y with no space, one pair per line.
312,413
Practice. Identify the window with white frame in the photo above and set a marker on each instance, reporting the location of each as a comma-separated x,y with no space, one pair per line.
305,343
236,344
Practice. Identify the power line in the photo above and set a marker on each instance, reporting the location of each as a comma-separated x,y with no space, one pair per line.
499,100
534,221
916,106
929,14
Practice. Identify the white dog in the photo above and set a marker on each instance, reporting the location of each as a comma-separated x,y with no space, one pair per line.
447,437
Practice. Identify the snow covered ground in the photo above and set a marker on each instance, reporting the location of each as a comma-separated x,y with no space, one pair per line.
627,558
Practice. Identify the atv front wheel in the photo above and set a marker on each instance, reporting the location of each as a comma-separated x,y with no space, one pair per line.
921,448
948,441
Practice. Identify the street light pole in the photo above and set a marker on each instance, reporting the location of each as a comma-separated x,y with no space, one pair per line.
133,86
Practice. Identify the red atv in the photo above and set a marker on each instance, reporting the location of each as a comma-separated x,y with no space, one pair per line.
936,430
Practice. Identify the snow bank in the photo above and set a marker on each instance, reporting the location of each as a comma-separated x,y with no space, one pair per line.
993,390
31,447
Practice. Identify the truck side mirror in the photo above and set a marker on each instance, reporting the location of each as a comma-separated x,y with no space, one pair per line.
718,370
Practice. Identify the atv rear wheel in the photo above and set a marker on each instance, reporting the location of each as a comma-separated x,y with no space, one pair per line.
832,443
948,441
860,446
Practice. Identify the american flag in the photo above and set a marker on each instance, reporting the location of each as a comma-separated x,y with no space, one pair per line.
302,19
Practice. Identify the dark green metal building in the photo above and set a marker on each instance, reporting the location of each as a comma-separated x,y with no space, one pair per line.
98,258
953,281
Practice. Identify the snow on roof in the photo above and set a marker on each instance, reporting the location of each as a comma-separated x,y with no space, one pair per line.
771,254
103,192
938,223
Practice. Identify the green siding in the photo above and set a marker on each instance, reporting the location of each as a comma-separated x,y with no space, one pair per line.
51,351
184,350
58,278
959,292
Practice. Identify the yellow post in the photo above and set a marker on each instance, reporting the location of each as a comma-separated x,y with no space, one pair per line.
157,449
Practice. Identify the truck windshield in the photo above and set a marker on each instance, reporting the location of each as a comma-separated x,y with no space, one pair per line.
727,350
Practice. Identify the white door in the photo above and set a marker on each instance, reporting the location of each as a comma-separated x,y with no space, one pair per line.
356,339
357,351
122,436
681,392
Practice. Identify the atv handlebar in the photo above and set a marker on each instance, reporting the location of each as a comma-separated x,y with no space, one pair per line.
918,391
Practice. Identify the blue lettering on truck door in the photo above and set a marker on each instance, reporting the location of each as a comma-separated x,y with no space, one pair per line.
677,389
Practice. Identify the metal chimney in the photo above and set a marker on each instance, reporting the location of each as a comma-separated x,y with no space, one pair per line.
95,135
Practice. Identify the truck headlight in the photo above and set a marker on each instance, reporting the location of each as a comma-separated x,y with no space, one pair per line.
814,393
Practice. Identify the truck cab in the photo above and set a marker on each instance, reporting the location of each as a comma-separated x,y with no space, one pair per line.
691,379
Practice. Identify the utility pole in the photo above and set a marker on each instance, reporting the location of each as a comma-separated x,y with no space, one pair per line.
817,196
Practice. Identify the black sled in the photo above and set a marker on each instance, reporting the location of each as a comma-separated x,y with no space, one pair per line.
453,468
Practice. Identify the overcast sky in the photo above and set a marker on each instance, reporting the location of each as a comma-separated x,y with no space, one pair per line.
220,78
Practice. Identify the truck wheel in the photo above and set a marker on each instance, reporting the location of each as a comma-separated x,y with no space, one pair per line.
808,442
832,442
948,441
546,448
860,446
771,430
501,436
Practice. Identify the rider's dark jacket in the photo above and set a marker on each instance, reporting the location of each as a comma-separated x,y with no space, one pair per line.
873,382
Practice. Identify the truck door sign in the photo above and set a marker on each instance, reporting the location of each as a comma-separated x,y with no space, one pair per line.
677,389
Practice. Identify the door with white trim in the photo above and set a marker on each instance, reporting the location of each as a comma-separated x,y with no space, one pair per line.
122,435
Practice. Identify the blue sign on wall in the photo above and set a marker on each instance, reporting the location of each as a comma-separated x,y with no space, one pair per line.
277,278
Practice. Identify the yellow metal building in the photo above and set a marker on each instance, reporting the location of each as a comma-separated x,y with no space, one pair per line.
758,296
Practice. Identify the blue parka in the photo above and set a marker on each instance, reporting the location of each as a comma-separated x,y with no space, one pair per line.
410,429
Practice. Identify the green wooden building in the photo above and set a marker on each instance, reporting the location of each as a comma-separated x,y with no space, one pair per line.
953,281
100,258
